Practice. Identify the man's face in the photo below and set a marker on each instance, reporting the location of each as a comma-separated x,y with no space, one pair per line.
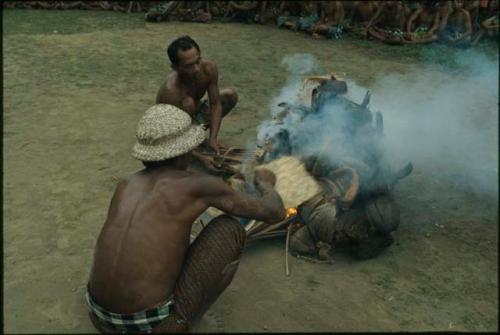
189,63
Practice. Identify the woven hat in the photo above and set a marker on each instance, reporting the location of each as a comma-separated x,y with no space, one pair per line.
164,132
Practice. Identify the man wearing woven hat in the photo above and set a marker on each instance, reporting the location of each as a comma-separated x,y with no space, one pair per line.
146,277
191,79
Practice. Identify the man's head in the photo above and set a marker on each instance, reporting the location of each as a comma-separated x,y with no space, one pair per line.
432,5
185,56
457,4
166,133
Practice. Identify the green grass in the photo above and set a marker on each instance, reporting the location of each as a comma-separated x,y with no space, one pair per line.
30,21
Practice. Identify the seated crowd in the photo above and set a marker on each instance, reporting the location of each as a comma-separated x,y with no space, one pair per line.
457,22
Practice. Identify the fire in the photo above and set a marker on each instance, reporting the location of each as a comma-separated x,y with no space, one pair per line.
292,211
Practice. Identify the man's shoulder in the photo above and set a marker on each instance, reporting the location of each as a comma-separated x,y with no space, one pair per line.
170,84
209,66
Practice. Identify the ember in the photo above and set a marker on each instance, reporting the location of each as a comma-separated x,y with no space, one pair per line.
290,212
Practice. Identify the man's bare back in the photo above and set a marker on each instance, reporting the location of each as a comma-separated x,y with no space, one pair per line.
142,245
143,251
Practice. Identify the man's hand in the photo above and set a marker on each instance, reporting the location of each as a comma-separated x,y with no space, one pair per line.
212,143
263,176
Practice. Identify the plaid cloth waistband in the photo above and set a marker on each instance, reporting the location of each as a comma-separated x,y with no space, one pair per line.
143,321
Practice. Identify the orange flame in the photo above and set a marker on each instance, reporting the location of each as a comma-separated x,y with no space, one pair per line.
292,211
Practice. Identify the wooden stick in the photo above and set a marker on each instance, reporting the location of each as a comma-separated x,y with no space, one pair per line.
250,225
286,248
313,260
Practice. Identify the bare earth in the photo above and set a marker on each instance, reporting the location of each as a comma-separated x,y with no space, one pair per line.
71,105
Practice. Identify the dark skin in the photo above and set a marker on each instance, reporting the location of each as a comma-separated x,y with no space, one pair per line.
445,9
332,14
187,84
426,16
141,248
269,11
390,14
458,26
472,6
361,12
306,8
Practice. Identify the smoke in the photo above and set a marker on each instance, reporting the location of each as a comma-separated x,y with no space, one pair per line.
445,123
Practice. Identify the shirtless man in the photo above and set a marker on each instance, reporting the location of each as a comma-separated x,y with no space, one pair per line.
146,277
388,23
191,79
306,18
489,26
458,28
269,11
242,11
331,20
362,12
423,24
472,6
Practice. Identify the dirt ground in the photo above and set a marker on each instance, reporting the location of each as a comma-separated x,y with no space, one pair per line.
72,99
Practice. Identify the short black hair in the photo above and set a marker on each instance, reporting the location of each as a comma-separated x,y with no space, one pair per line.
156,164
181,43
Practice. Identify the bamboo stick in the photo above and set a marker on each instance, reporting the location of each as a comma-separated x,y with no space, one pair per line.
286,249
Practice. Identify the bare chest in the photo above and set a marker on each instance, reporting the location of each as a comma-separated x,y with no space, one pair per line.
426,19
456,21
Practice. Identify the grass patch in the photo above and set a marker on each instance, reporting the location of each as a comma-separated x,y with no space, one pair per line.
32,21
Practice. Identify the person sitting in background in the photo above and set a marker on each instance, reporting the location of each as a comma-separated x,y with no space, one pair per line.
217,9
192,11
269,11
445,9
489,27
146,276
331,20
388,23
423,23
362,12
458,28
308,16
242,11
472,6
357,15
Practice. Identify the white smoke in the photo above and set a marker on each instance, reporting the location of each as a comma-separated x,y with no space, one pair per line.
445,122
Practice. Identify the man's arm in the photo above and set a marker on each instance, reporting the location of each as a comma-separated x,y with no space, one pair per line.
268,207
468,25
435,25
374,19
412,18
215,106
159,95
444,19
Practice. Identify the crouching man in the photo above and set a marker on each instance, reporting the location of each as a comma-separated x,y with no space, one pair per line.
146,277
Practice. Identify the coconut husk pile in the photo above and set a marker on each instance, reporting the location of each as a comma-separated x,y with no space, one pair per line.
294,184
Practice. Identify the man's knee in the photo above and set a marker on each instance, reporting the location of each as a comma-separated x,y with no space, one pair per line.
188,105
229,229
229,99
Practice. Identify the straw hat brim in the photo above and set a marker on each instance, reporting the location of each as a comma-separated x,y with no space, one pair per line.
170,147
